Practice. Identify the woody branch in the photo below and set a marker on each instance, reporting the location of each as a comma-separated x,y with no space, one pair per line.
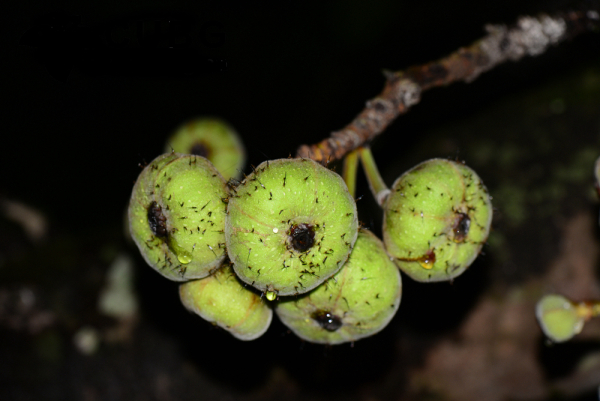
530,36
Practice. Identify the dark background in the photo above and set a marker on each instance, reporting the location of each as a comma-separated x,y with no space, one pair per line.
81,116
92,90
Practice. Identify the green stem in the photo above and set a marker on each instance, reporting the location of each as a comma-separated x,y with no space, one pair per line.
349,173
378,188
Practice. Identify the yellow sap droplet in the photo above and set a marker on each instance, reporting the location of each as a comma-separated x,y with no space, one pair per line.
426,261
270,295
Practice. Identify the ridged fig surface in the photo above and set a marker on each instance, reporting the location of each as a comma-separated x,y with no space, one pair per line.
211,138
436,219
177,216
290,225
224,301
357,302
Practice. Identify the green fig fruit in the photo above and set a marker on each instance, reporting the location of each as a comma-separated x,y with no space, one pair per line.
559,317
436,219
211,138
177,216
357,302
223,300
290,226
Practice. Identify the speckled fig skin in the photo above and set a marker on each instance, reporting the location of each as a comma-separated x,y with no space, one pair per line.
211,138
177,216
224,301
290,226
357,302
436,219
558,318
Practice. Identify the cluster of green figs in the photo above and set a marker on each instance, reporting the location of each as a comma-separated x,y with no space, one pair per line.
286,238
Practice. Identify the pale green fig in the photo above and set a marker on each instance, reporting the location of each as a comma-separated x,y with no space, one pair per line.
436,219
290,225
177,216
559,318
224,301
211,138
357,302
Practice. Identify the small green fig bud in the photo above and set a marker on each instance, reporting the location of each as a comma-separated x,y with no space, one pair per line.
211,138
436,219
357,302
177,216
290,226
559,317
223,300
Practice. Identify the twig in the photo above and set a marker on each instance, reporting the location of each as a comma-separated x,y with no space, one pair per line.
529,37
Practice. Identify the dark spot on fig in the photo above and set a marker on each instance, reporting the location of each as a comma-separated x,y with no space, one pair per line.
327,320
461,227
157,220
302,237
200,149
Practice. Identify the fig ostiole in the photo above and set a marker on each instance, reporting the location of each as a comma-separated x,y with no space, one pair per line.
224,301
177,216
290,225
436,219
357,302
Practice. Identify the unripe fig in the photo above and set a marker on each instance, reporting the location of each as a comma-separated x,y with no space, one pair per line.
357,302
177,216
290,226
211,138
436,219
558,317
223,300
